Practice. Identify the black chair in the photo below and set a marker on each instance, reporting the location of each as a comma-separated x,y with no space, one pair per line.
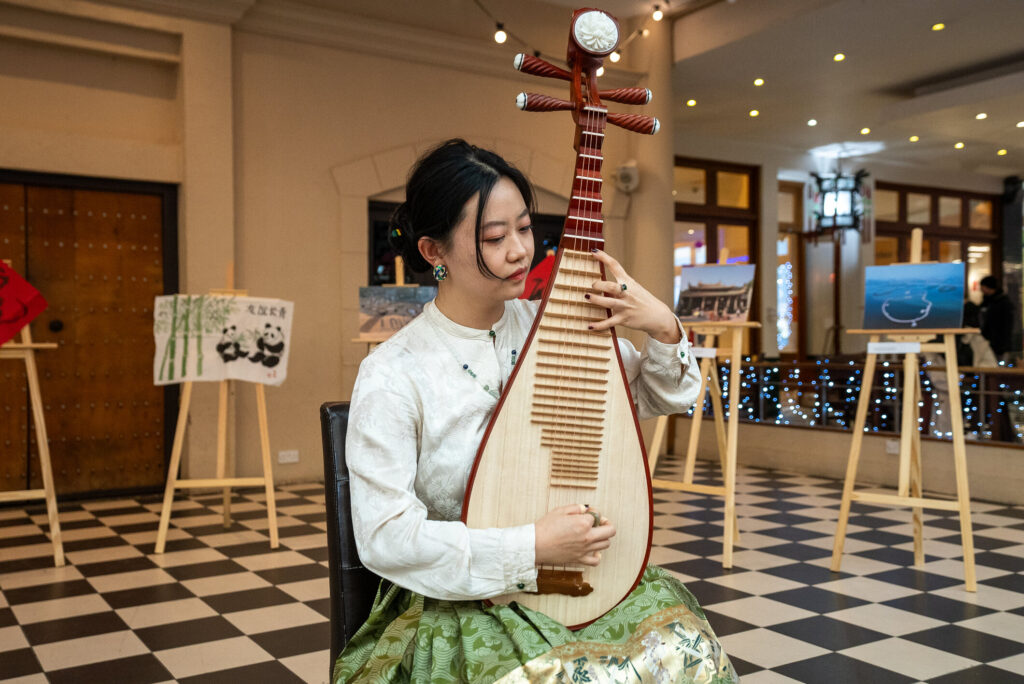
353,587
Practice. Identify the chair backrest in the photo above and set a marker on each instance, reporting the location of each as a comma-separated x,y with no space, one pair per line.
353,587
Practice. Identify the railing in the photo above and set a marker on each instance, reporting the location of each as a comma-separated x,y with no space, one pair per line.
823,394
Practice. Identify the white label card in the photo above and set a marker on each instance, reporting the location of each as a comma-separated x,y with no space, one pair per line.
894,347
704,352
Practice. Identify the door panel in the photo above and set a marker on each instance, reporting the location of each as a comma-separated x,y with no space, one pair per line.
13,385
97,256
98,259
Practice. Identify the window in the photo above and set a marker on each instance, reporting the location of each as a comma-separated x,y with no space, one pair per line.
689,185
958,227
716,210
789,298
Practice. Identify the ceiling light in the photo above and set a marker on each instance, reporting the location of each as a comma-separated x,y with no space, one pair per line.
1020,124
914,138
981,115
691,103
646,32
938,26
600,71
1002,152
615,56
812,122
959,146
838,57
500,36
759,81
754,112
657,14
865,130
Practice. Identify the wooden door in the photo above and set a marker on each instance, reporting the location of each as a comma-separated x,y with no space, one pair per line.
97,256
14,407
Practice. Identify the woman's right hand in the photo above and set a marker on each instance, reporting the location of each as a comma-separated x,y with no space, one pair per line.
567,535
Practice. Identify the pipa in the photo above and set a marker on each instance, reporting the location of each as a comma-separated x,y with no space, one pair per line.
565,429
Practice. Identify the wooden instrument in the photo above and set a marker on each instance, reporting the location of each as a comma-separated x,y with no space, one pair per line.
565,430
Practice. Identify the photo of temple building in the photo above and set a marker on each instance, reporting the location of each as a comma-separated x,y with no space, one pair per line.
715,293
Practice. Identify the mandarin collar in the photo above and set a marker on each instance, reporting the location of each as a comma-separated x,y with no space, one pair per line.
450,327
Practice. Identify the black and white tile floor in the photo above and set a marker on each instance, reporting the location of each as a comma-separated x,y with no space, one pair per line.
220,606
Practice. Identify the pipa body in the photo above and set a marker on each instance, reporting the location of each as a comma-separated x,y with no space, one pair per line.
565,430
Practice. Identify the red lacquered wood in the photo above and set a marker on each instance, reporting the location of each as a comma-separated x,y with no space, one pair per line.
631,96
535,102
638,123
536,66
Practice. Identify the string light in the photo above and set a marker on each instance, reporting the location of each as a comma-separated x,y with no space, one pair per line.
600,71
759,82
1002,152
657,14
502,34
865,130
812,122
754,112
913,138
838,57
959,146
826,395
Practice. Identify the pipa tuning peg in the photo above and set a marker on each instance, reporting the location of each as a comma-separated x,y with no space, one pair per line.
638,123
534,102
631,96
536,66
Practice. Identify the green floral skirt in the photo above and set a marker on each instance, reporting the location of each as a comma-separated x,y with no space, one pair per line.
658,634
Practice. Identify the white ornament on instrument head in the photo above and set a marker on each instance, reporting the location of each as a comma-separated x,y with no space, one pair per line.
521,100
596,32
518,61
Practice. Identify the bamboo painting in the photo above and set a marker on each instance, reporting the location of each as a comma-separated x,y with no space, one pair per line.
213,337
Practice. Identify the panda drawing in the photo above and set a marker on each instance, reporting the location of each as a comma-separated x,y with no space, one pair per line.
270,345
228,346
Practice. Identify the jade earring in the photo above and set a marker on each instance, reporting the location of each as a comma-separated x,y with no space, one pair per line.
440,272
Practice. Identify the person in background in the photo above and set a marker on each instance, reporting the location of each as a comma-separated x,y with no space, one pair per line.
972,348
996,317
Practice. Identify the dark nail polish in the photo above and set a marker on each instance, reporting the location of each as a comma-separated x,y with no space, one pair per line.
593,249
590,327
586,296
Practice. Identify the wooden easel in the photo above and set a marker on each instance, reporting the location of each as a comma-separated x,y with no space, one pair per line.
726,435
25,350
222,479
909,488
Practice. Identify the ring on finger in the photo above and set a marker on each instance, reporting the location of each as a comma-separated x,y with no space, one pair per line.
623,287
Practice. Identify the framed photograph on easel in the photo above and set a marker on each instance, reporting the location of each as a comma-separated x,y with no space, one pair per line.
909,296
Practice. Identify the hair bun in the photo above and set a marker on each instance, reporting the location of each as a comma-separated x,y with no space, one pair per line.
402,241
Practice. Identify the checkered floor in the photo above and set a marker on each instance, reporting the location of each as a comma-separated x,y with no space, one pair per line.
221,607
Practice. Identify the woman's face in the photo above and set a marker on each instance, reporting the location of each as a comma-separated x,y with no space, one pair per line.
506,245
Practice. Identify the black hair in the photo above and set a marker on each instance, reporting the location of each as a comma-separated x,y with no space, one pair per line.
991,282
439,185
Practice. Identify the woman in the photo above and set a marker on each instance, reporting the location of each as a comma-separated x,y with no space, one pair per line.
420,406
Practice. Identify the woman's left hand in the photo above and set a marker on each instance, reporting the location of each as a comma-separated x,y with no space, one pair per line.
631,305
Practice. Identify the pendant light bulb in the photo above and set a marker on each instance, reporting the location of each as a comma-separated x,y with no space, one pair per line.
499,35
657,15
615,56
